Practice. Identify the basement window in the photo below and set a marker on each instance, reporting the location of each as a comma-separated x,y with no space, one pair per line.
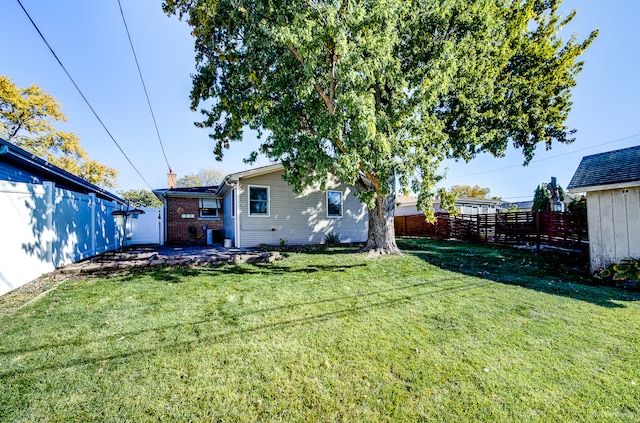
209,209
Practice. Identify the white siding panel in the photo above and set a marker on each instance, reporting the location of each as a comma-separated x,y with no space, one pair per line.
608,252
633,222
614,226
595,230
620,227
299,219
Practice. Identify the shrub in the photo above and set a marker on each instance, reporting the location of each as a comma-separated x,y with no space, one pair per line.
332,239
626,273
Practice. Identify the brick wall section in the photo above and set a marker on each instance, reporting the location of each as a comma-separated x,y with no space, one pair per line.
178,227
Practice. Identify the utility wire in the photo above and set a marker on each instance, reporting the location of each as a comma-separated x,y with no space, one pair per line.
547,158
82,94
143,85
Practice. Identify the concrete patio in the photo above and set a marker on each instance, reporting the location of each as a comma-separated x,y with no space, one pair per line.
145,256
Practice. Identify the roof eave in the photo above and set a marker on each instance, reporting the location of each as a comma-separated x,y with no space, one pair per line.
604,187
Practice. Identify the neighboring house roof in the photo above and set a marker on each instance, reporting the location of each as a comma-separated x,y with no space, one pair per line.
28,168
613,169
521,205
478,201
188,192
408,201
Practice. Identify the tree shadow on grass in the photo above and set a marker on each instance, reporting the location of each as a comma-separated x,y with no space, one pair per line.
550,271
376,299
178,274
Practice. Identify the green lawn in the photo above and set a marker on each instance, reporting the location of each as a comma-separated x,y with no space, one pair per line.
448,332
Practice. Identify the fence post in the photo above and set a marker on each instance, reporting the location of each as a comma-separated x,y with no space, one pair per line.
92,208
536,218
50,189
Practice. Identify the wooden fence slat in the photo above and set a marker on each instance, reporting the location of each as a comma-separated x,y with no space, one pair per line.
565,230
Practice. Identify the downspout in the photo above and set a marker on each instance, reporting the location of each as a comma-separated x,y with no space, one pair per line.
237,222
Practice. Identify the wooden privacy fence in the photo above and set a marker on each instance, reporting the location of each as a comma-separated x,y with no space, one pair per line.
565,230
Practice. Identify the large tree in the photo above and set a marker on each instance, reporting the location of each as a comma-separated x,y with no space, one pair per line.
26,120
374,90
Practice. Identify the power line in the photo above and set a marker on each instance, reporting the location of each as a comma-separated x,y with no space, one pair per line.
81,93
547,158
143,84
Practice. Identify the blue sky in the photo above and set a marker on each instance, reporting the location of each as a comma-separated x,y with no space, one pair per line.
90,39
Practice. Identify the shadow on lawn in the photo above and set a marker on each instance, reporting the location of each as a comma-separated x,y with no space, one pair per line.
550,271
344,307
174,274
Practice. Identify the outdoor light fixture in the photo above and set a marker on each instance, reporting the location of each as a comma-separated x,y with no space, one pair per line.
119,216
135,212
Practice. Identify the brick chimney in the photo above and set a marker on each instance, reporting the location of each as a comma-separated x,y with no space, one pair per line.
171,179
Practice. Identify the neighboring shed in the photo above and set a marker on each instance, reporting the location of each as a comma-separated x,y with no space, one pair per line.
611,182
49,218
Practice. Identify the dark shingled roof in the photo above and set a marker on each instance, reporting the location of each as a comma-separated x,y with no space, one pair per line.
207,189
612,167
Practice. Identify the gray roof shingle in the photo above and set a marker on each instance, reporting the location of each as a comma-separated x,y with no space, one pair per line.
612,167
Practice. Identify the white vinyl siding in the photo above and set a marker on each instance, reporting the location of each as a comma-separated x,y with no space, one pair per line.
614,224
299,218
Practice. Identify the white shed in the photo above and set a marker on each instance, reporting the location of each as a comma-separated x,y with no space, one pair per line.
611,182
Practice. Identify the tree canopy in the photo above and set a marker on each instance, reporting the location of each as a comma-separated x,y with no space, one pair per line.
203,178
374,90
468,191
140,198
26,120
545,195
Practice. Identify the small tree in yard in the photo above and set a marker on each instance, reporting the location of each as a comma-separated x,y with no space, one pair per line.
378,90
578,204
541,198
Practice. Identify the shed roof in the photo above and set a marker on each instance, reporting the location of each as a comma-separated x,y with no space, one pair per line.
605,169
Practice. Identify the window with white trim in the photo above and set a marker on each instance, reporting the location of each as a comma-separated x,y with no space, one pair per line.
209,209
258,201
334,203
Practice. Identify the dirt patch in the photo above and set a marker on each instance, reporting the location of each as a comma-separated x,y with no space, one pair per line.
31,292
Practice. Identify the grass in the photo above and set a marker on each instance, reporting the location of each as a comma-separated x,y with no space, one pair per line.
447,332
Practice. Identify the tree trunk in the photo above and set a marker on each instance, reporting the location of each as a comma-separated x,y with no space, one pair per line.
382,236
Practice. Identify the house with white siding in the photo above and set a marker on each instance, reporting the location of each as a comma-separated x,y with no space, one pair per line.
611,182
257,207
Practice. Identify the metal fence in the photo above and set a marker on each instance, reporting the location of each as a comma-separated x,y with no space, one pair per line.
564,230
